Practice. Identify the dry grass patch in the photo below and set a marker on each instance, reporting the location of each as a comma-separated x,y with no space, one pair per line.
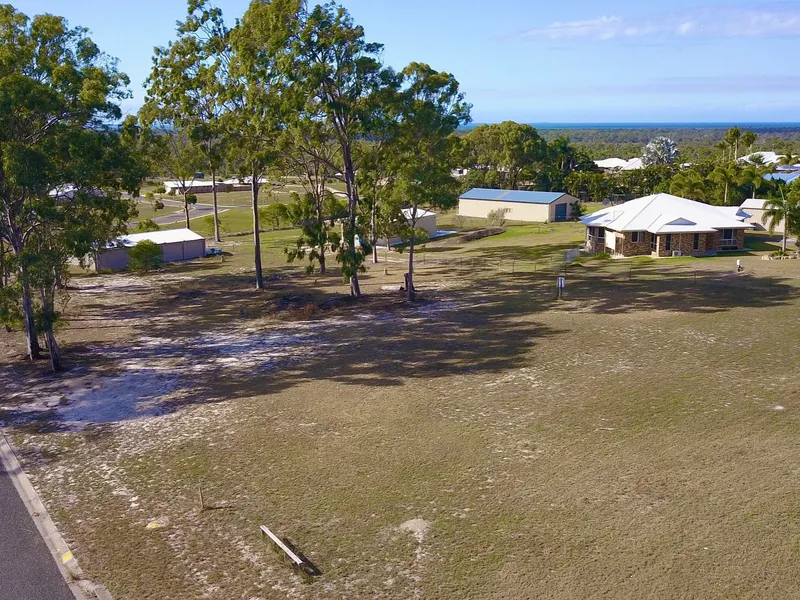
638,439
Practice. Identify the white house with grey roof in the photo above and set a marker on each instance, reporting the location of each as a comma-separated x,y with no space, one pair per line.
664,225
534,207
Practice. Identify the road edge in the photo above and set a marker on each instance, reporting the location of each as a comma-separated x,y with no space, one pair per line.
67,564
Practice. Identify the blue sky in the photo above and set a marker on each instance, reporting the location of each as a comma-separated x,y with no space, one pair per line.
536,61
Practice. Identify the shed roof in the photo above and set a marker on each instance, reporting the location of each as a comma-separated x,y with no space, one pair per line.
665,213
169,236
512,196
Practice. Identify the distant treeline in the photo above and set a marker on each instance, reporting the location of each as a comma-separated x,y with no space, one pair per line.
695,144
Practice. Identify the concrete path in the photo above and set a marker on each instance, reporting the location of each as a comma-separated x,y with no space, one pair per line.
27,568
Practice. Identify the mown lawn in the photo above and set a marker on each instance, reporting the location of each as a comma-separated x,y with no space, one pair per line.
638,439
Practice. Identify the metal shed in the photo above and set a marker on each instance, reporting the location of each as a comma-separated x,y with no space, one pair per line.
535,207
177,245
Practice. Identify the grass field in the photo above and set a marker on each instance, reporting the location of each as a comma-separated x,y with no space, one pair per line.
638,439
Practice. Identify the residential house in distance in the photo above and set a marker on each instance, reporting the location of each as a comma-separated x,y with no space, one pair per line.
194,187
610,165
532,207
664,225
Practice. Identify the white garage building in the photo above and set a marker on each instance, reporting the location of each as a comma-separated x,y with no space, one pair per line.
177,245
754,209
534,207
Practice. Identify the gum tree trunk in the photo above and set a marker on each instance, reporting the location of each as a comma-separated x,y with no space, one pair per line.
216,208
257,234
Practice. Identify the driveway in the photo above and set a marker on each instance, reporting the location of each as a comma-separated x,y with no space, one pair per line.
27,569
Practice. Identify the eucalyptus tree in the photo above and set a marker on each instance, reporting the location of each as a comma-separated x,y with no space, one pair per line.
337,74
57,92
309,151
176,154
255,120
186,87
431,109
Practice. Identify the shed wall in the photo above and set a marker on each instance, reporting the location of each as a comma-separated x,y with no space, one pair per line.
518,211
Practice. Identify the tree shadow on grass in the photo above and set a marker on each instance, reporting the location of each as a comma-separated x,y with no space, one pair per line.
213,349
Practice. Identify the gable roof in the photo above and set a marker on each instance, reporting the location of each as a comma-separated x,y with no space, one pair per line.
753,204
665,213
512,196
167,236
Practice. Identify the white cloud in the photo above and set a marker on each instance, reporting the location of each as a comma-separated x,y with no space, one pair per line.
757,20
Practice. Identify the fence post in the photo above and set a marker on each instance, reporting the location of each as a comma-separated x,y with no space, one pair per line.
512,267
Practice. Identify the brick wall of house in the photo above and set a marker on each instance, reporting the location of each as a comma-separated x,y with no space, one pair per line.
716,240
627,247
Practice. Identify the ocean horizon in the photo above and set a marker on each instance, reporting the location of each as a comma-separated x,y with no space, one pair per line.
657,125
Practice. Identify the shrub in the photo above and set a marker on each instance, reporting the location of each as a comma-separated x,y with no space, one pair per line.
149,196
158,205
191,199
160,189
145,256
578,210
459,221
601,256
147,225
497,217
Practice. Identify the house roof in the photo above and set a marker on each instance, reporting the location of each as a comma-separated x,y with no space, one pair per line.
665,213
420,213
753,204
512,196
786,177
633,164
611,163
168,236
769,158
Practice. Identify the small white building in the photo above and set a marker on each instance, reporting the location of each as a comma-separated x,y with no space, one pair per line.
754,209
176,244
426,220
532,207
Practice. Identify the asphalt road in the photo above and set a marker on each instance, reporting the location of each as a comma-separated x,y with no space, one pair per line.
27,569
195,212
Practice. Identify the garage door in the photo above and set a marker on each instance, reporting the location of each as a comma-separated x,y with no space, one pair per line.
561,212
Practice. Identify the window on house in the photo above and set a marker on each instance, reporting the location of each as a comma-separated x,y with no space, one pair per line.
668,242
601,234
696,245
727,234
635,237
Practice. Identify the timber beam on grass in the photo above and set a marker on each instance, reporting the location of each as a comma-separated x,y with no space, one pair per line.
289,554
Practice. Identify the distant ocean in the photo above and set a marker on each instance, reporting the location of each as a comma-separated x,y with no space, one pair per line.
753,126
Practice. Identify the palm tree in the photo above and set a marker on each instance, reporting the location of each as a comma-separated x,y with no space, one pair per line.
789,159
723,146
732,137
724,176
779,209
748,139
753,174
